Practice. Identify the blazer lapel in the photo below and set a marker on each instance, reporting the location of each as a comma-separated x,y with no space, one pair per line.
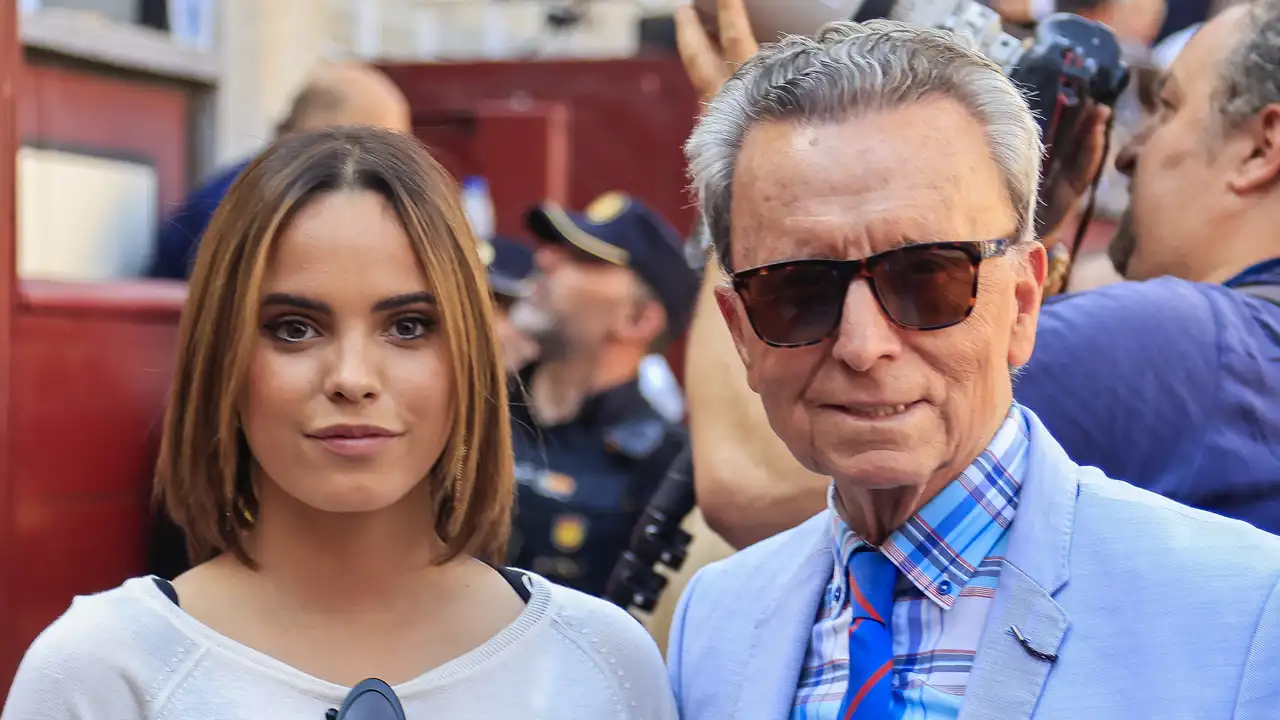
1018,649
781,636
1026,626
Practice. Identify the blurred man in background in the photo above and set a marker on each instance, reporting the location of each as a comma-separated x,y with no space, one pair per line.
510,263
1169,384
590,450
336,94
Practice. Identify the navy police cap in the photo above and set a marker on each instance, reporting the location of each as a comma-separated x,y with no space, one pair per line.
619,229
509,263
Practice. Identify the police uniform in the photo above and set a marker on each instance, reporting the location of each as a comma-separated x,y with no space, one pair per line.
583,484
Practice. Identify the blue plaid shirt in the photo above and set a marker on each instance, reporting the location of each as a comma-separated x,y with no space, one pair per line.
949,556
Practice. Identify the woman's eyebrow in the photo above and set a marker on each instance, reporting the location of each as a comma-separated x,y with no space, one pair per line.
399,301
296,301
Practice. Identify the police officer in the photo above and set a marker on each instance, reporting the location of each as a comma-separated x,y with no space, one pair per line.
611,286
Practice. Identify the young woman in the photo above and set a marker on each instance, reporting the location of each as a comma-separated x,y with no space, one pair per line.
337,451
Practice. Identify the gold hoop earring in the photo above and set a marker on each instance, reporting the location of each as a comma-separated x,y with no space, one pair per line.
460,464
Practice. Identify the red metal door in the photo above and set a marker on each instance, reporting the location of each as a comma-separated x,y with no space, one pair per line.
9,67
626,120
521,148
84,368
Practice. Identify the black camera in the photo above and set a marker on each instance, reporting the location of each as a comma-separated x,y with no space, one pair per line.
656,540
1071,62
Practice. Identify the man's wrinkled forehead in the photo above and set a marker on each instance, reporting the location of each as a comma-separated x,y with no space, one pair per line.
863,186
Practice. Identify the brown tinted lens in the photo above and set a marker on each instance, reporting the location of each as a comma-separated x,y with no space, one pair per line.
797,303
926,287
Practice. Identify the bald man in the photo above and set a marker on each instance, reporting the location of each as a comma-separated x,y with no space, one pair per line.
335,94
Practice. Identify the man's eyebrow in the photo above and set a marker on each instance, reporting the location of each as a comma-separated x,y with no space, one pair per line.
398,301
906,242
296,301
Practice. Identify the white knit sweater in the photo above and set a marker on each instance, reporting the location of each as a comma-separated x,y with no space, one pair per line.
131,654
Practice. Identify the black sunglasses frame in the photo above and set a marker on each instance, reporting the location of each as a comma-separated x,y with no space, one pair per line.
864,268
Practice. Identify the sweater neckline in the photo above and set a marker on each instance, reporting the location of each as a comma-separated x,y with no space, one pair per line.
536,612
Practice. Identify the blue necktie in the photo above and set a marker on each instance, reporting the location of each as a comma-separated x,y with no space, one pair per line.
869,695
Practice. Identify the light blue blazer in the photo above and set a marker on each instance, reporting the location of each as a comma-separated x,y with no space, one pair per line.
1133,607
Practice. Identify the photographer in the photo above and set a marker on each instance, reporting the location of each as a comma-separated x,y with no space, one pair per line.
1167,383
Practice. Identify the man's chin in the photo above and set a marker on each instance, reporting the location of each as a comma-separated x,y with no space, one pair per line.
879,470
1122,246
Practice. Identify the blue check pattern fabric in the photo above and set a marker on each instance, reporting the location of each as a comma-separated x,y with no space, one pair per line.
948,557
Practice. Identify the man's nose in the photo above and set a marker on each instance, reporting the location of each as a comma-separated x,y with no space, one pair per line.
1127,158
352,376
548,259
865,335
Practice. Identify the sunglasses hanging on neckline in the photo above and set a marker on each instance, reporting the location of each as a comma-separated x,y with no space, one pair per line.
371,699
925,286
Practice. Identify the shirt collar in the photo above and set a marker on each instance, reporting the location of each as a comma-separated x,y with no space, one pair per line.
940,547
1266,272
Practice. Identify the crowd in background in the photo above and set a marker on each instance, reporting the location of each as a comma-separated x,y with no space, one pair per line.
1156,363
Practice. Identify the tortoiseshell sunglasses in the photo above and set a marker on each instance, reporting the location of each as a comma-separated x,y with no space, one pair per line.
926,286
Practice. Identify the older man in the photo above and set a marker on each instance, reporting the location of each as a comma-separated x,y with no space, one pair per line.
872,192
1170,383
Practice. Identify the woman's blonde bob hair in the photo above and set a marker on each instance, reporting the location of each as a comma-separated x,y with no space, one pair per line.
202,476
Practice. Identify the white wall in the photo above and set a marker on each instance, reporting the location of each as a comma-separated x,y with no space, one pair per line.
266,49
263,49
458,29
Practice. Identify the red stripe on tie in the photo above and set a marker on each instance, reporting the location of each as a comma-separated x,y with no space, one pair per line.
866,687
866,606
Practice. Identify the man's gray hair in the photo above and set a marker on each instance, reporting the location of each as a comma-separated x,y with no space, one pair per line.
849,68
1250,74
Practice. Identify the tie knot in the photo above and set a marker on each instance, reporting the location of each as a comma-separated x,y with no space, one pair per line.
871,583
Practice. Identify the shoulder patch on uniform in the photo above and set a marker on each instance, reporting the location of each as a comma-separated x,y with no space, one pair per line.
637,439
487,252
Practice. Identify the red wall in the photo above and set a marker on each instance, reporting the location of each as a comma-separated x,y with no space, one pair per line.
84,368
79,110
561,130
626,121
9,72
91,366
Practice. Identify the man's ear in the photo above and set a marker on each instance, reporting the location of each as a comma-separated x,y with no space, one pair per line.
1028,290
736,320
1260,165
647,322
